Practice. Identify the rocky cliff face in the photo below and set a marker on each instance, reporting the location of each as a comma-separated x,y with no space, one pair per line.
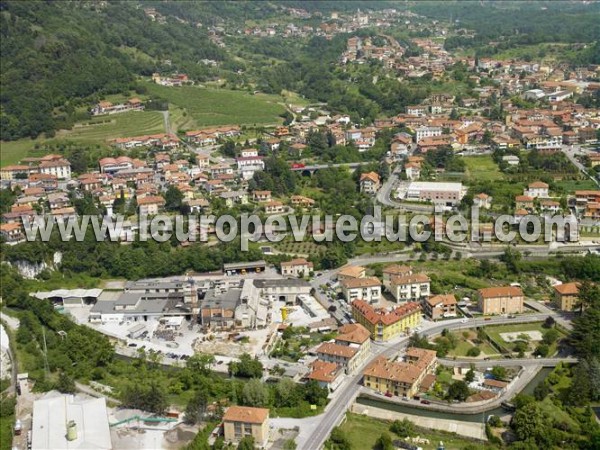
31,270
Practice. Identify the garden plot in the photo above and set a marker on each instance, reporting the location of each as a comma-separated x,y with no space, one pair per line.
533,335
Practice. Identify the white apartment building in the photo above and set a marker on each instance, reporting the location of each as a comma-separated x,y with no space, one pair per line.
408,288
425,132
367,289
60,168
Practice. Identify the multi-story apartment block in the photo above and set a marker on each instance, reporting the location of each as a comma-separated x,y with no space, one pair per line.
385,324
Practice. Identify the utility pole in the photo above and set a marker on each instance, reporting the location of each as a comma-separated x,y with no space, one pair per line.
46,368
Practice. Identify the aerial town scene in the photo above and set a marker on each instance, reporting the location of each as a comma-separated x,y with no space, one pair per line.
339,225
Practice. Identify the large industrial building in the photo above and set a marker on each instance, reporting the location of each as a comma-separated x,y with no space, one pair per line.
217,304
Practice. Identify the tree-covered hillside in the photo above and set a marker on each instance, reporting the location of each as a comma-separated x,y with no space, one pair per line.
57,56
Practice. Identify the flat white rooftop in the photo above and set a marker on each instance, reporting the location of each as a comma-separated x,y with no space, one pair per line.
53,412
434,186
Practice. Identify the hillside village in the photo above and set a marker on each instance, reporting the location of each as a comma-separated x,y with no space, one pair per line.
318,342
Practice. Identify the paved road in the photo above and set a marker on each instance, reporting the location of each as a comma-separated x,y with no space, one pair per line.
167,122
570,151
12,324
516,362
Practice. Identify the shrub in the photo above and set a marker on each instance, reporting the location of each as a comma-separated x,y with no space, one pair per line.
474,352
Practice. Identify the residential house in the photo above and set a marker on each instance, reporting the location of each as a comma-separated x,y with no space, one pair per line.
298,267
302,202
150,205
12,232
413,171
482,200
440,306
55,165
501,300
537,189
385,324
243,421
327,374
566,296
370,183
426,132
233,197
274,207
524,202
16,172
367,289
261,196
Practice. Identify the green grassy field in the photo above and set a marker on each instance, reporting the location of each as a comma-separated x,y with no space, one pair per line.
103,128
577,185
98,130
482,168
363,431
211,107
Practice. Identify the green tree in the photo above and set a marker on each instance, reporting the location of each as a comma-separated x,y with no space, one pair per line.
498,372
528,421
255,393
338,440
173,199
458,391
201,363
290,444
551,336
384,442
196,407
65,384
246,443
542,350
474,352
402,428
470,375
246,367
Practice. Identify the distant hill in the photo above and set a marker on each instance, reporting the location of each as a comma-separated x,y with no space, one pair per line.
57,56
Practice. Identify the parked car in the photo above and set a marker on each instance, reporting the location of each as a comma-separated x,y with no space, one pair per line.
425,402
388,394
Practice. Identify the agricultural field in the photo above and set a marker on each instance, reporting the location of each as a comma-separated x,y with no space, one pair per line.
482,168
98,130
103,128
305,249
211,107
